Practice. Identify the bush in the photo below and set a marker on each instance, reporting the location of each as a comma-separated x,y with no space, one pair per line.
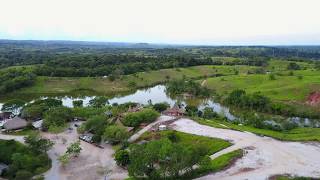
122,157
116,134
136,118
23,175
57,117
293,66
23,161
160,106
77,103
208,113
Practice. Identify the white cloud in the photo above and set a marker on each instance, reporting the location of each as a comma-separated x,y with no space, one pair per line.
164,21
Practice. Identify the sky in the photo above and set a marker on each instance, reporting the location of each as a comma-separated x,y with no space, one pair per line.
202,22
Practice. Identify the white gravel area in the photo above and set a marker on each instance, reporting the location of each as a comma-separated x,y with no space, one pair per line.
264,156
93,163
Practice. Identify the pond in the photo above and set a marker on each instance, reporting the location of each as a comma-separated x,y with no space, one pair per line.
156,94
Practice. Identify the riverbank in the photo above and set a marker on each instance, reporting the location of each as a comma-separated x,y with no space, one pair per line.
80,86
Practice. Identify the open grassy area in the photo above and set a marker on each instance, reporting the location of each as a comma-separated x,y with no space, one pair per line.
225,160
100,85
287,177
297,134
283,88
214,144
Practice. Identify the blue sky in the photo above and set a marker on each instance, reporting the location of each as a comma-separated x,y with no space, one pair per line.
211,22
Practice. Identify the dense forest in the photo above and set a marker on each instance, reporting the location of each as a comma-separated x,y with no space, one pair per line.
39,52
92,59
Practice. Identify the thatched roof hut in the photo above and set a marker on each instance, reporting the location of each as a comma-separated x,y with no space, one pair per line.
175,111
15,123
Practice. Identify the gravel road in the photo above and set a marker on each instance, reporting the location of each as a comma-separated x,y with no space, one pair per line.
264,156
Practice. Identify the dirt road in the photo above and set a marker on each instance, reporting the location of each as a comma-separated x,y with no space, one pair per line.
265,156
12,137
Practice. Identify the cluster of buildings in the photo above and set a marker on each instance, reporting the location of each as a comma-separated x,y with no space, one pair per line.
8,122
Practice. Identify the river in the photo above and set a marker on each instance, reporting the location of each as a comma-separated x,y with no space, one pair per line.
157,94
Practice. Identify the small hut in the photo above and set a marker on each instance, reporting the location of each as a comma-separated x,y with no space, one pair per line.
15,124
175,111
37,124
136,108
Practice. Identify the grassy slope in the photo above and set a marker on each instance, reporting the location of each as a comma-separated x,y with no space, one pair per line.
284,88
214,144
65,85
298,134
225,160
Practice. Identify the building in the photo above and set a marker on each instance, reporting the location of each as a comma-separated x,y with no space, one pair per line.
3,167
15,124
175,111
37,124
162,127
5,115
136,108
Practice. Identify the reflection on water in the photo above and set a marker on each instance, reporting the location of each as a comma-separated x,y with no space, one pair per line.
156,94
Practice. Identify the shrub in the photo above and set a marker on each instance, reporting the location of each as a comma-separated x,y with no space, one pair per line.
57,117
144,116
122,157
160,106
115,134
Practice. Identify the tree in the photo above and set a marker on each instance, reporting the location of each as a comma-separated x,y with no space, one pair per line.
208,113
122,157
162,159
191,110
33,111
161,106
57,117
317,65
144,116
12,105
272,77
115,134
64,159
38,144
293,66
98,102
74,149
77,103
132,84
23,175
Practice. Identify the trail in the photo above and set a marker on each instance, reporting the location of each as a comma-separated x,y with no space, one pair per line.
264,156
145,129
204,82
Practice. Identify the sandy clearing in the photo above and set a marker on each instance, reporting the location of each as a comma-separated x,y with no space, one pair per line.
12,137
93,163
264,156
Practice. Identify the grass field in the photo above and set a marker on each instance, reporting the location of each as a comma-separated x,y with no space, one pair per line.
99,85
213,144
283,88
297,134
